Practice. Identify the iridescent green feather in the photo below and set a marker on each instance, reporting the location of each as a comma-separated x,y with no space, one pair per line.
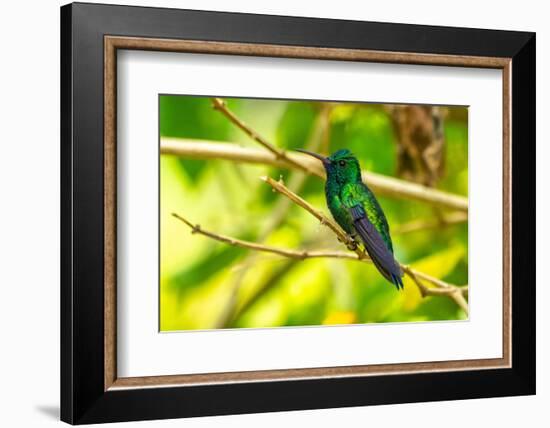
353,194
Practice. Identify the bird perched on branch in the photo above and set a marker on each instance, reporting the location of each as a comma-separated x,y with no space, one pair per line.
355,208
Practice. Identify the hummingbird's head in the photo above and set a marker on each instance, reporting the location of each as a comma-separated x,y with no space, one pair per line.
341,166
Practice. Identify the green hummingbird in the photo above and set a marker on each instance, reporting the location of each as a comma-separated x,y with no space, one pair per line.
355,208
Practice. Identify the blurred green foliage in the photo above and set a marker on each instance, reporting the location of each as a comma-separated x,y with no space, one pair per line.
198,275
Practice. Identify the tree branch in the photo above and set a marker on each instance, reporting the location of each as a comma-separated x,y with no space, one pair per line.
292,254
451,291
331,224
279,154
383,185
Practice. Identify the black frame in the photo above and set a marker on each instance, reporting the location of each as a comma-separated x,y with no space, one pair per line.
83,399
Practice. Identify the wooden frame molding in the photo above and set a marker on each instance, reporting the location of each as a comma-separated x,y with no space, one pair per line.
113,43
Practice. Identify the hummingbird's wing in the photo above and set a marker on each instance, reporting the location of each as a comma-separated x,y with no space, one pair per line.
381,256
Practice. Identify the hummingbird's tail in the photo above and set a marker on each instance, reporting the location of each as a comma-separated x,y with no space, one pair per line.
379,253
397,281
394,275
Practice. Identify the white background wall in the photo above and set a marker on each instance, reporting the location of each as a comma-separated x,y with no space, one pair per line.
29,213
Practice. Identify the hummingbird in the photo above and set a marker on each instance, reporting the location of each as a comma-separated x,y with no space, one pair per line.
355,208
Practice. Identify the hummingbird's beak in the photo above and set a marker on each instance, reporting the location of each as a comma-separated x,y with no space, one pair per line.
323,159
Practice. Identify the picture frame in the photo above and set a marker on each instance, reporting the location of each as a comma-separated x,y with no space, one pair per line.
91,35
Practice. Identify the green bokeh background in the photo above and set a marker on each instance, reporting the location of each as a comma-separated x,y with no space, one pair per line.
197,274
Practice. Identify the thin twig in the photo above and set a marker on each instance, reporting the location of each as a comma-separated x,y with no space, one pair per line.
454,293
292,254
279,154
435,281
461,301
331,224
383,185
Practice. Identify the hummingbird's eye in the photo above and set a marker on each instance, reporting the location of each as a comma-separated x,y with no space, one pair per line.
342,163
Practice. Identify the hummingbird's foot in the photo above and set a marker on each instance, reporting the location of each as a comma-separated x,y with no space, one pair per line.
352,244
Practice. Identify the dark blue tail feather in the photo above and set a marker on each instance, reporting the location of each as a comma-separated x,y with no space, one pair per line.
397,281
380,254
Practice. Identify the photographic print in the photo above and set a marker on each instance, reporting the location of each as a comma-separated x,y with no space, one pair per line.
281,213
308,185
